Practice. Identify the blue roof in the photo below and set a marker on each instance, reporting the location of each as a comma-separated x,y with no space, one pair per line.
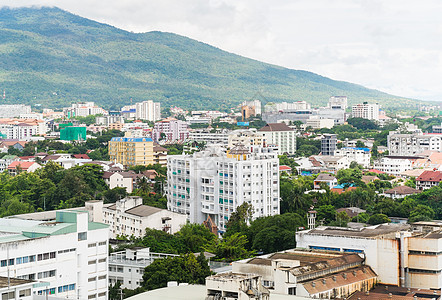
344,185
356,148
129,139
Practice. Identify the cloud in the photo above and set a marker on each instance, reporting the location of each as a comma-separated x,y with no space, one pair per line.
394,46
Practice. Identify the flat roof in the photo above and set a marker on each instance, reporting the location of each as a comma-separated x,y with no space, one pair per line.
366,232
193,292
13,281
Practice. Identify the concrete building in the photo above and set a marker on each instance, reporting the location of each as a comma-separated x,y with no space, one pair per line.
108,120
280,135
83,109
325,178
437,129
313,274
428,179
400,144
130,217
127,266
13,110
69,254
400,254
246,138
328,144
298,105
360,155
337,115
366,111
394,165
253,106
236,286
174,130
338,102
212,183
219,137
22,129
125,180
317,123
14,288
131,151
148,110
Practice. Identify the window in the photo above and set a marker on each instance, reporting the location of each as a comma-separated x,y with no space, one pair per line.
32,258
82,236
19,260
102,243
8,295
91,245
52,255
101,277
4,263
102,260
103,294
72,287
92,279
24,293
11,262
92,296
92,262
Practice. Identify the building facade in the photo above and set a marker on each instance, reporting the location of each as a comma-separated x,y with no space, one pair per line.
246,137
13,110
70,254
131,151
280,135
366,111
400,144
328,144
173,130
360,155
83,109
148,110
213,183
129,217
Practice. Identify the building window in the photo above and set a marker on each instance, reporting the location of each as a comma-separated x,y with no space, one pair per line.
24,293
4,263
91,245
92,279
8,295
82,236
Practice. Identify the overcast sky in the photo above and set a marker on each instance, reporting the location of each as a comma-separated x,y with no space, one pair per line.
391,45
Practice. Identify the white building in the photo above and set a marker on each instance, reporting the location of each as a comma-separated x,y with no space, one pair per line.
316,123
23,130
280,135
129,217
337,102
256,104
70,254
393,165
366,111
412,144
220,137
83,109
298,105
127,266
360,155
213,183
14,288
13,110
236,286
121,179
148,110
174,130
107,120
246,137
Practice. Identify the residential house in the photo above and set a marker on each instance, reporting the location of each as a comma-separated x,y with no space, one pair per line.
22,166
399,192
428,179
328,179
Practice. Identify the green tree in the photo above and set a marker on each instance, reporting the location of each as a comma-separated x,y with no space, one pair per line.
378,219
240,218
421,213
272,239
183,269
233,248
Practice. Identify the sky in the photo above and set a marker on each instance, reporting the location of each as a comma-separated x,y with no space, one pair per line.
392,45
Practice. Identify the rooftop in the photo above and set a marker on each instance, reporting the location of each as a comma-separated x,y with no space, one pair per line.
276,127
435,176
366,232
143,210
4,282
402,190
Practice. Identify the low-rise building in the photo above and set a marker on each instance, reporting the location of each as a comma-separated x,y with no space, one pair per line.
69,254
171,130
428,179
127,266
14,288
130,217
246,137
22,166
394,165
315,274
125,180
328,179
236,286
281,135
399,192
219,137
360,155
401,144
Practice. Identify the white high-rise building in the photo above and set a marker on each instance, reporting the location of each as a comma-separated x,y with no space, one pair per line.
13,110
338,102
280,135
212,183
83,109
406,144
366,111
148,110
70,254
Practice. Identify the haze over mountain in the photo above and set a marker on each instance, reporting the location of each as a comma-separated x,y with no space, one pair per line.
52,57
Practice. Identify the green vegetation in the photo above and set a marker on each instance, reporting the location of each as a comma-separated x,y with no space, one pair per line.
52,57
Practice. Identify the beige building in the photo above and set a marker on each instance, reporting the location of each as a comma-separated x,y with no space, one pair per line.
130,151
315,274
280,135
129,217
246,137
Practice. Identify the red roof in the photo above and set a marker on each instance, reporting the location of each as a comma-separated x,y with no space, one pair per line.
24,165
435,176
81,156
376,171
26,157
340,190
284,168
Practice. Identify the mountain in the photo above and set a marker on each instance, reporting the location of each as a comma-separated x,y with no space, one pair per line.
52,57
